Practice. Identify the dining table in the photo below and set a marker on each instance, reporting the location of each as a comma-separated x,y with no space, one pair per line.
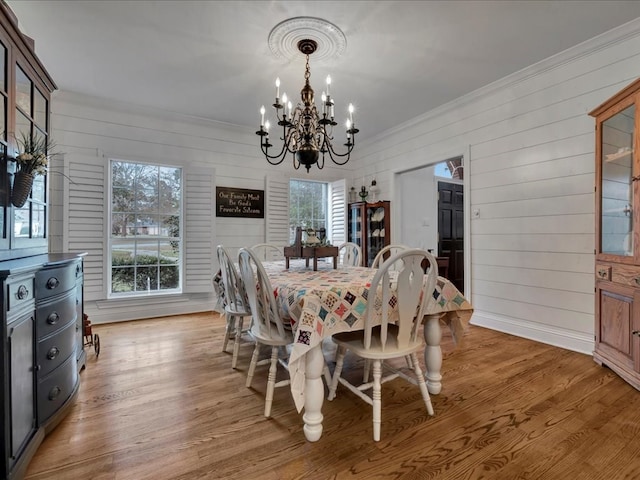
327,301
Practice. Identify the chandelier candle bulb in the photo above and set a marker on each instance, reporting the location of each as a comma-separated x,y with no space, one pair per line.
351,113
262,110
277,89
328,85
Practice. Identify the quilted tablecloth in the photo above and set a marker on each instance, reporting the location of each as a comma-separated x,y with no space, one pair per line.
324,302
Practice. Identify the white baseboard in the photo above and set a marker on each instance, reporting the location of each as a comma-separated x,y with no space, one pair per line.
142,308
558,337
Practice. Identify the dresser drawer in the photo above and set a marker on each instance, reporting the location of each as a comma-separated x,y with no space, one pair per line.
55,349
53,281
56,388
55,314
20,292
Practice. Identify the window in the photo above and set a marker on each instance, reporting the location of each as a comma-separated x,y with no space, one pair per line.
145,251
308,205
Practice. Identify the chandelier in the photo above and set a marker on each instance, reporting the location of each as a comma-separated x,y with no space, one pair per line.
307,133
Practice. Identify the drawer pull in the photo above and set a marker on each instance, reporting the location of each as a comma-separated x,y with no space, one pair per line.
53,353
53,318
636,332
52,283
602,273
54,392
22,292
77,270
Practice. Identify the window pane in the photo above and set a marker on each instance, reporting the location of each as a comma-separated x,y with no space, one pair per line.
122,279
169,253
170,226
308,205
122,252
146,279
169,277
145,234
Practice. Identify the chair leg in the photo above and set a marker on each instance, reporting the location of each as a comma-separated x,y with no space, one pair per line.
252,365
336,373
271,381
367,368
236,342
326,373
228,330
422,384
377,399
409,361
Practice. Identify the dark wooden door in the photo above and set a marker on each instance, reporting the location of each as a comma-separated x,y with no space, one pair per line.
451,230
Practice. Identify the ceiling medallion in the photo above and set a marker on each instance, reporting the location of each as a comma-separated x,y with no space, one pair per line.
284,38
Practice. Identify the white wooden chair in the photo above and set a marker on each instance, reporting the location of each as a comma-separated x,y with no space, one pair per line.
268,252
387,251
267,327
350,254
235,303
388,340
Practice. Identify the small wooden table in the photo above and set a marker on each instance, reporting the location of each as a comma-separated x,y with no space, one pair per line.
311,252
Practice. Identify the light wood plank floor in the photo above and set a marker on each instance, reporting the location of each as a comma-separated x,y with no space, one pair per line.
162,402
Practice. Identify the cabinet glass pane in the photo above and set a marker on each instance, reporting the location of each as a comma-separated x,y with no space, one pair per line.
40,110
37,190
38,219
3,118
23,126
23,91
3,67
616,231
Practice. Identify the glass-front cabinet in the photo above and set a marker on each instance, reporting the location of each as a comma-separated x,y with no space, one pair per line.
617,262
25,92
370,227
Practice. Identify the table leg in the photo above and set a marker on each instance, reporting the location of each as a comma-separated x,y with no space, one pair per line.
335,262
287,262
315,264
433,353
313,394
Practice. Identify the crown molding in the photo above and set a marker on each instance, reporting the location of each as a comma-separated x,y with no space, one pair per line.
588,47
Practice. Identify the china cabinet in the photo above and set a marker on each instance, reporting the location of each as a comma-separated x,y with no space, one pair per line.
617,260
370,227
42,347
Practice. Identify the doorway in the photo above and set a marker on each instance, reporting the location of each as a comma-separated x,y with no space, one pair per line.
451,230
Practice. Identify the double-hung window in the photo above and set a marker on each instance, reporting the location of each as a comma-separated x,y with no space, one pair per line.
145,242
308,205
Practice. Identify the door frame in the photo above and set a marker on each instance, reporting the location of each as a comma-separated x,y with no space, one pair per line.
465,153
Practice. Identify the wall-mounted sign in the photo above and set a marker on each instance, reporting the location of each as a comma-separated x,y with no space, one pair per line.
239,202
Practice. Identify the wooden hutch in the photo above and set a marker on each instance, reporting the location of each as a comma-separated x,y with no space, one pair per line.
42,349
617,262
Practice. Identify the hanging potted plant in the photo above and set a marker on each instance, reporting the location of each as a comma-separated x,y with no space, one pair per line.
32,160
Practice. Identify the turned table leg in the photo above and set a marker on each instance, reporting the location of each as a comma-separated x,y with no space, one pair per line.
313,394
433,353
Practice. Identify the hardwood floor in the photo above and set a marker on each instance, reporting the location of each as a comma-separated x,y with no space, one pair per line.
162,402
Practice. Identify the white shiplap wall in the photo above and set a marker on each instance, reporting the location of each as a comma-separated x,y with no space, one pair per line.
90,131
529,154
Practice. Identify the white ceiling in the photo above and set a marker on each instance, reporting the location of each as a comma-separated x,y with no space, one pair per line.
211,59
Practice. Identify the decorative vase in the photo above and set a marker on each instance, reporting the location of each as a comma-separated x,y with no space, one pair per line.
22,183
363,193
